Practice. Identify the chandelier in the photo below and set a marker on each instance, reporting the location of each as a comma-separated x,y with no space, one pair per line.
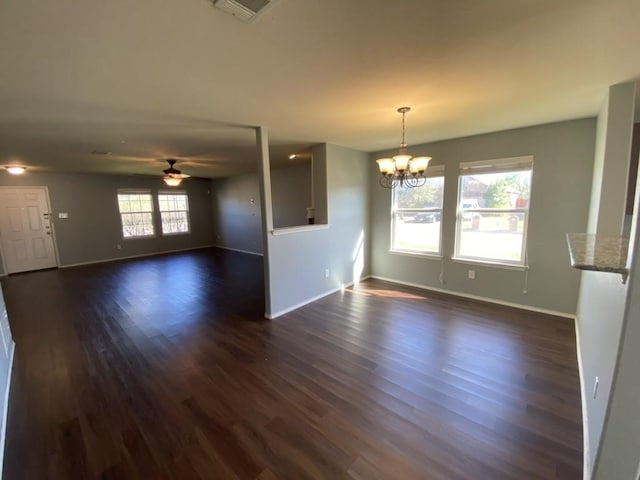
403,169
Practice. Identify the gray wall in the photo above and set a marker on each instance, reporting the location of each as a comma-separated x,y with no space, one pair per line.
298,260
236,213
93,229
611,162
563,162
319,178
291,195
603,298
236,206
620,441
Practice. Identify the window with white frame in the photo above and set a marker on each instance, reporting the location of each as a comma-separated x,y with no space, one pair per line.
136,213
493,210
174,212
416,215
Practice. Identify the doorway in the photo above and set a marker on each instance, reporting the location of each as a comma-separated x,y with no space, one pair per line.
25,229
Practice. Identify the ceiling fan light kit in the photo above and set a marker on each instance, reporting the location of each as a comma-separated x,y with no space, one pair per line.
172,176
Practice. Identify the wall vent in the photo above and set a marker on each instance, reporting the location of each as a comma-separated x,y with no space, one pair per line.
244,10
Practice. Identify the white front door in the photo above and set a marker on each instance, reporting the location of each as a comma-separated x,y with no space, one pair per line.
25,228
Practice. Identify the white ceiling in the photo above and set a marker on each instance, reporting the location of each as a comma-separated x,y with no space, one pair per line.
150,79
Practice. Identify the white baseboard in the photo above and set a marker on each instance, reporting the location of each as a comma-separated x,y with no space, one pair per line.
586,466
239,250
5,413
480,298
129,257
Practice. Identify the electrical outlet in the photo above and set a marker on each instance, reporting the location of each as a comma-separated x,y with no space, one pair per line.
595,387
118,246
472,274
326,273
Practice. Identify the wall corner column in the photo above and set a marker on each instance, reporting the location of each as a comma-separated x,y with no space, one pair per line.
264,172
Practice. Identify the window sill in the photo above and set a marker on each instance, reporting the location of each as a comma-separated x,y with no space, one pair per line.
301,228
432,256
505,266
139,237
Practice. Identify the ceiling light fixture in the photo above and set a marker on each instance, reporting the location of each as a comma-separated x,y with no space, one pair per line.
16,169
403,169
172,181
172,176
292,156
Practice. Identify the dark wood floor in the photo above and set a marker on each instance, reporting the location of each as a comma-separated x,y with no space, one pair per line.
163,368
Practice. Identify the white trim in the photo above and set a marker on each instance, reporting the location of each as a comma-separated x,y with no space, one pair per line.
239,250
506,266
480,298
586,460
5,413
301,228
133,191
308,301
172,192
129,257
406,253
497,165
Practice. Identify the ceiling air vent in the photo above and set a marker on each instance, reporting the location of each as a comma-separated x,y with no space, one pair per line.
244,10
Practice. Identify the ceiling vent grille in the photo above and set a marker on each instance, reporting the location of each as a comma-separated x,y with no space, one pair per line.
244,10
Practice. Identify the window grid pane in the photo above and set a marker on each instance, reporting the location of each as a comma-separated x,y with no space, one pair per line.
174,213
136,214
416,217
492,216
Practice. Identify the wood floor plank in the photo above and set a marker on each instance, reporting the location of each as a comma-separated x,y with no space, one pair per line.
164,368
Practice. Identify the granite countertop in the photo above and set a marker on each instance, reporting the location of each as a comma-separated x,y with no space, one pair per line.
599,253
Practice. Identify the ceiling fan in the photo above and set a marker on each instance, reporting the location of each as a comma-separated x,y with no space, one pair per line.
172,176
